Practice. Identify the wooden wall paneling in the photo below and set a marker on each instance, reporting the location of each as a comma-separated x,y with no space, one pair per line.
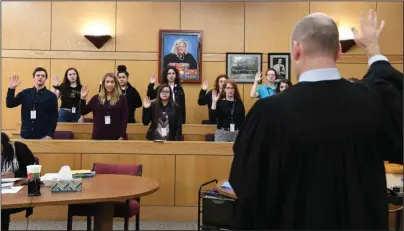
158,167
24,69
345,14
138,24
268,25
52,163
353,70
398,66
192,171
391,40
222,24
71,20
18,31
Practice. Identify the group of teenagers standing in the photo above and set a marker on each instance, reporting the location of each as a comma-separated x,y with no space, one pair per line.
117,100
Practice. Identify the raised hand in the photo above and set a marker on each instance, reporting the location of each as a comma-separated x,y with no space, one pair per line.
368,36
55,81
205,85
14,81
215,96
153,79
146,102
84,92
258,77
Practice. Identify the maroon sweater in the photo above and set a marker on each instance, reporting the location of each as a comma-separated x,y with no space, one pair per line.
118,117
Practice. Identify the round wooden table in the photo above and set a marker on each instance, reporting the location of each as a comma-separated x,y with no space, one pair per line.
103,189
226,192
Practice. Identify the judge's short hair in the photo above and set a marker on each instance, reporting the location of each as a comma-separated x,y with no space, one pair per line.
319,35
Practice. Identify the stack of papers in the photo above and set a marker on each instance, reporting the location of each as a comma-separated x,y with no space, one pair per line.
11,190
226,185
82,173
8,180
7,185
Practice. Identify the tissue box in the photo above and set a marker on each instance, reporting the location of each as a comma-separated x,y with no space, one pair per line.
73,185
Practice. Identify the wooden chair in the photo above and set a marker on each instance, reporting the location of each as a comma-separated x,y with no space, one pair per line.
123,209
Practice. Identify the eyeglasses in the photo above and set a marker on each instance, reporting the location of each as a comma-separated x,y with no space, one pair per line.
230,88
165,92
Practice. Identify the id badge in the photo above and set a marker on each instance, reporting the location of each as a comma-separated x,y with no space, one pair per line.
107,120
74,110
33,114
232,127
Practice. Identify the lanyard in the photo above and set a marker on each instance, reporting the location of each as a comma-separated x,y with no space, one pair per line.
107,106
232,110
34,99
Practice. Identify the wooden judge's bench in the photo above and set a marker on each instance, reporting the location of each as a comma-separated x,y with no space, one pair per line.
179,167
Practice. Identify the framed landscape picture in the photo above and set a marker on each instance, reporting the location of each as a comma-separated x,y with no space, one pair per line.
242,67
182,49
281,63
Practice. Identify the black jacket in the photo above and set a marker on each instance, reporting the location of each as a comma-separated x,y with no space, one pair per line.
179,98
175,131
46,106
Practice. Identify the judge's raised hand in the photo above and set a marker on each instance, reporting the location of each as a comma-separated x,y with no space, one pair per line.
215,96
146,102
258,77
84,92
14,81
153,79
205,85
55,81
368,36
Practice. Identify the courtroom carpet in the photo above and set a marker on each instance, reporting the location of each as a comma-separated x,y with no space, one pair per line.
118,225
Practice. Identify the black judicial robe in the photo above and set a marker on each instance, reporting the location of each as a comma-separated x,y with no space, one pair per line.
312,157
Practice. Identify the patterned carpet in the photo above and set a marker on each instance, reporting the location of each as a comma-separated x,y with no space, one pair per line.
118,225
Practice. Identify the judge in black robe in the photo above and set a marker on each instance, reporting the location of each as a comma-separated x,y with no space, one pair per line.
312,156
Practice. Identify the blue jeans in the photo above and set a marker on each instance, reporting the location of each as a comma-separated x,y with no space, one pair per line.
66,115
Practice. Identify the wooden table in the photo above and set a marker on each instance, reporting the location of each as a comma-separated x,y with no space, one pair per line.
101,189
226,192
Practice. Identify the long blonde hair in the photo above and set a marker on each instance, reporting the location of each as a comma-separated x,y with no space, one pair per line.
115,94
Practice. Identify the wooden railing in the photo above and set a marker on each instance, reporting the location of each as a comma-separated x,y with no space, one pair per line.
82,131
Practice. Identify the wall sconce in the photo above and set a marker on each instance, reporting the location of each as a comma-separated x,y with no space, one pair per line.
346,38
97,32
98,40
347,44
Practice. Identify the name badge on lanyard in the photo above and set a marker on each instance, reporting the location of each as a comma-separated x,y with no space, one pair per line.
73,110
107,120
33,111
232,125
33,114
107,115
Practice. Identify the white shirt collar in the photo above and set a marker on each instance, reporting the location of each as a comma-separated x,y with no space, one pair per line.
322,74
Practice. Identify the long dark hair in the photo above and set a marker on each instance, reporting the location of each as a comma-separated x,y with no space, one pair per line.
217,81
7,151
278,86
66,81
177,75
158,105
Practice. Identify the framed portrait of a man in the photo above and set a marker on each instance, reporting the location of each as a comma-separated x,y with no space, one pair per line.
280,62
182,49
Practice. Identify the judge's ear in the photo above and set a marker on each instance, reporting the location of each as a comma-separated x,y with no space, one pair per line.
296,50
339,52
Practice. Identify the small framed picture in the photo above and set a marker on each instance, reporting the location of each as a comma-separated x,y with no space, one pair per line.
242,67
281,63
182,49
